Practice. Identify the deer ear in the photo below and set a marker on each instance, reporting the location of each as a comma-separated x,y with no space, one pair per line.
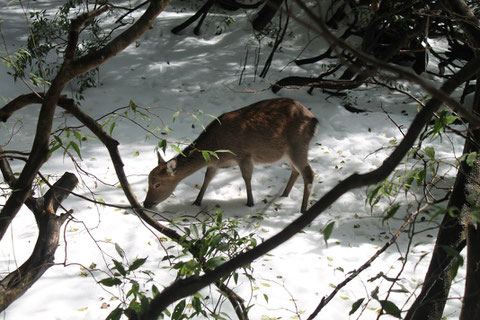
160,159
171,167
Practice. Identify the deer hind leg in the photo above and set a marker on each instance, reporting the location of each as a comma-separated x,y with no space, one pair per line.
307,175
291,181
299,160
246,168
211,171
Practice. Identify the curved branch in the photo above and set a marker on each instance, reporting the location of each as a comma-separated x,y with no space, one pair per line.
294,81
143,24
129,11
18,103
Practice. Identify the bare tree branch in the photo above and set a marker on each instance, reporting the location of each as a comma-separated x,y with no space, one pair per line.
49,223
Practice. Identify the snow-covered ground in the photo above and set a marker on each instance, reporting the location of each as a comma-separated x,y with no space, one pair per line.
190,73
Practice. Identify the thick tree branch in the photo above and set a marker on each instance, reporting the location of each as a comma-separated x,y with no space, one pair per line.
75,28
18,103
7,172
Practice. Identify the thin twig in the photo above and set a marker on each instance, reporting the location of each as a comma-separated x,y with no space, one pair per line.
353,274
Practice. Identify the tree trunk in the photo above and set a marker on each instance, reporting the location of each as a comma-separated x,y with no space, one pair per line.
430,303
471,298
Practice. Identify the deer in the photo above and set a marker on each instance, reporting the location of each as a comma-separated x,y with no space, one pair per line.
261,133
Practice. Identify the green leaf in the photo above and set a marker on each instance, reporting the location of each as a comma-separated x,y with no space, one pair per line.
457,259
112,126
450,119
391,308
134,290
198,121
116,314
214,154
163,145
355,306
144,302
78,136
391,212
197,304
119,267
206,156
214,262
178,310
327,231
120,251
175,115
471,158
224,151
155,291
216,240
110,282
177,149
76,148
137,264
430,151
57,145
373,194
421,176
135,306
133,105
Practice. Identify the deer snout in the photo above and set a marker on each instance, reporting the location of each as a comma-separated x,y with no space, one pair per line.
149,205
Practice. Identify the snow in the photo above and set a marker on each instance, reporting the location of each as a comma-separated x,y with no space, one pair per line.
183,72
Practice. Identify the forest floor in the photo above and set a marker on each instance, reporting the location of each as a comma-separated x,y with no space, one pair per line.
201,75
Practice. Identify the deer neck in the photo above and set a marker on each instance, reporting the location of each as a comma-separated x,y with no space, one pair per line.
190,162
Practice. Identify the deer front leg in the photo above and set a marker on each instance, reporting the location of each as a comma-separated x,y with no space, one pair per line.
246,167
211,171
